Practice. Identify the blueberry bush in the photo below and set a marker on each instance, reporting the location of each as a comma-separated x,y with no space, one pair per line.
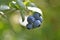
41,27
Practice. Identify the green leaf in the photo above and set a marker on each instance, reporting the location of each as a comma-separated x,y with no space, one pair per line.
29,3
13,4
5,2
18,5
22,8
4,7
21,4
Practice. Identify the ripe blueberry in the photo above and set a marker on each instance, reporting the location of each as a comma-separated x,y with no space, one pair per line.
40,18
36,15
30,19
29,26
37,23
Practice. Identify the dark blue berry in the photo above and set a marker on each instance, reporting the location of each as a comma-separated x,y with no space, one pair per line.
36,15
30,19
37,23
29,26
40,18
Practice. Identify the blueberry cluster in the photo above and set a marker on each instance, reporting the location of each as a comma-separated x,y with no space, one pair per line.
34,21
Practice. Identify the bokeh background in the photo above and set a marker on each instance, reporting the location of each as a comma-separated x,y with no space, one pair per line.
49,30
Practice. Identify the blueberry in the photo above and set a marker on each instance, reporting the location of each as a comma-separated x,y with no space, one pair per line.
37,23
40,18
30,19
29,26
36,15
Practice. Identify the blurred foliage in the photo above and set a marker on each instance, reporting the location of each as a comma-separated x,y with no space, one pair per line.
49,30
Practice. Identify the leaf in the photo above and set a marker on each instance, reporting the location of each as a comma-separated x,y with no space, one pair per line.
28,3
13,4
4,7
5,2
21,4
22,8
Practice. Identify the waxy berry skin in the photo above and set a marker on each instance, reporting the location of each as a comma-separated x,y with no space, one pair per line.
34,20
29,26
40,18
37,23
36,15
30,19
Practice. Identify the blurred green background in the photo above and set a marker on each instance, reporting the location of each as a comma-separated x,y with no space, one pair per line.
49,30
